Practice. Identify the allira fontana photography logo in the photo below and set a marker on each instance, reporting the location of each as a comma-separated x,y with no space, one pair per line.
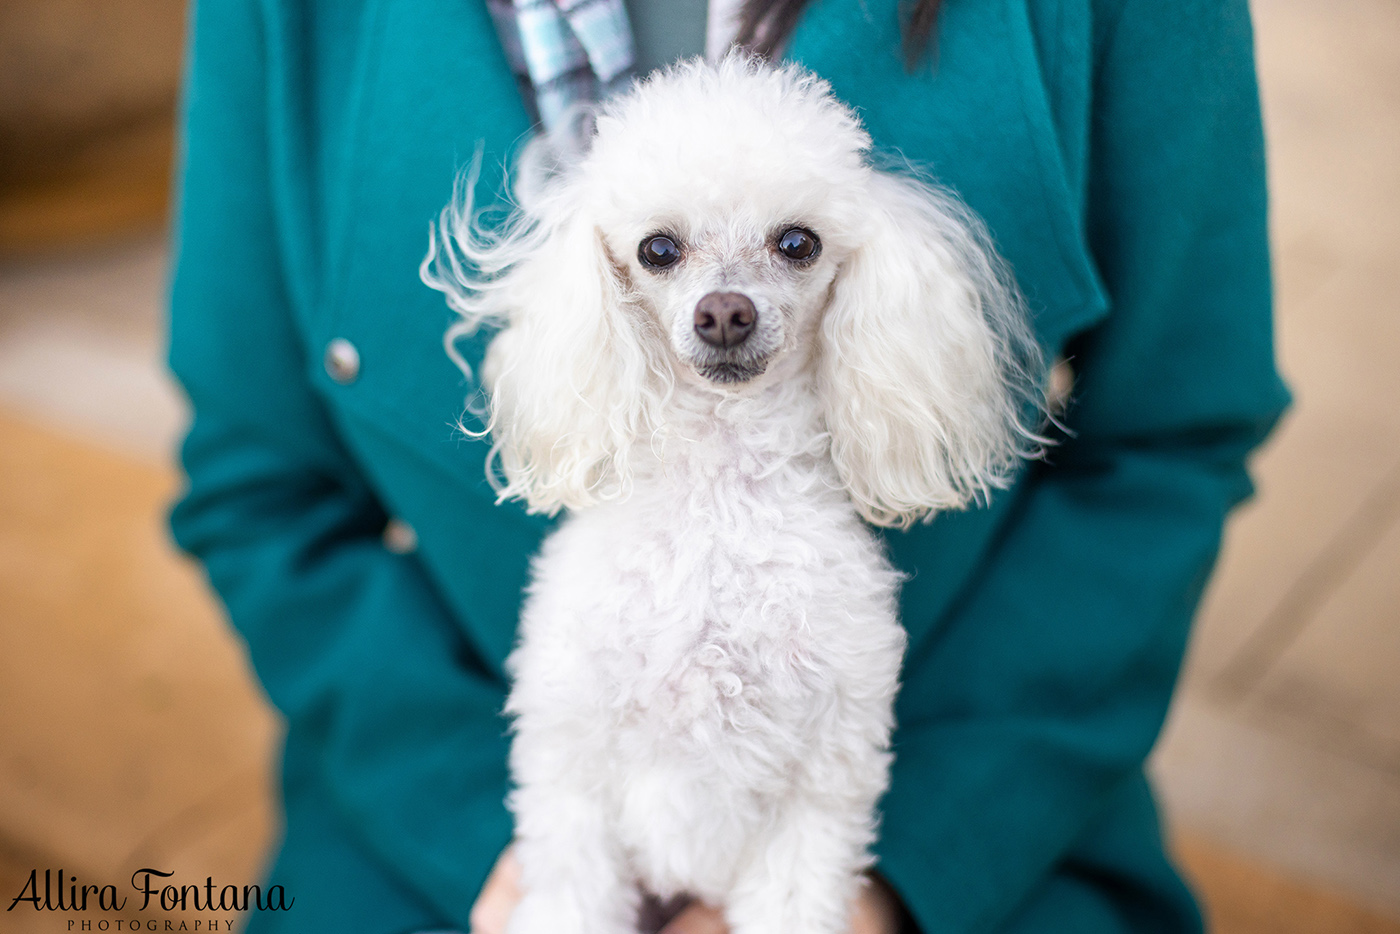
152,891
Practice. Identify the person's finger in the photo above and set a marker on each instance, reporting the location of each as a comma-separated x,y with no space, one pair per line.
498,897
697,918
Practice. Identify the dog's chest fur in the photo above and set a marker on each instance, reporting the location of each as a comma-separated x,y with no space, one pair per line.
689,647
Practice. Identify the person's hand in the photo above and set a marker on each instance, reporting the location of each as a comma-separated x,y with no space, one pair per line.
876,909
498,895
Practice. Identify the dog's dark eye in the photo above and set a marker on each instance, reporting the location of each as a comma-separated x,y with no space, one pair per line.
658,251
799,244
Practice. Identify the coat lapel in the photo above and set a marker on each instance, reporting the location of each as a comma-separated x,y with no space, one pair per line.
976,115
436,88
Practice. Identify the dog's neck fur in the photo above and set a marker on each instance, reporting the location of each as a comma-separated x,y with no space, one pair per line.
774,425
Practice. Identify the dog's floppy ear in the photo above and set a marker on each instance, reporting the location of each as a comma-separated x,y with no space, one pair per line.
572,379
929,374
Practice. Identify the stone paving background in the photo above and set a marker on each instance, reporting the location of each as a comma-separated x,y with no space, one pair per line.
131,734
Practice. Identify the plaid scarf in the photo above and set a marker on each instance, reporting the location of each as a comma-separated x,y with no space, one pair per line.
566,54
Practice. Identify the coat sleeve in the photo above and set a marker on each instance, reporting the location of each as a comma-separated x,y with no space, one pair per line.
1036,700
351,641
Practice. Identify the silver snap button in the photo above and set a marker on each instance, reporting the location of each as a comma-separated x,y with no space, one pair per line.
342,361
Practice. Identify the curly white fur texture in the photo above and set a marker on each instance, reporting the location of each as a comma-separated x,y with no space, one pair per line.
709,650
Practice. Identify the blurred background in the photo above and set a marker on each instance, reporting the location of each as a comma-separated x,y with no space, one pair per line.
130,731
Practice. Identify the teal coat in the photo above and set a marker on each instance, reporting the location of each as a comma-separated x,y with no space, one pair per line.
1114,149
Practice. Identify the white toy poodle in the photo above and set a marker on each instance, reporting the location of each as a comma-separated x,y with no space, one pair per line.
726,339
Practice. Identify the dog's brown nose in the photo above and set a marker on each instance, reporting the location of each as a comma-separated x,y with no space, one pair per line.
725,319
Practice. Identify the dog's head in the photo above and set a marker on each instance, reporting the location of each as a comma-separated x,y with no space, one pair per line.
726,199
725,228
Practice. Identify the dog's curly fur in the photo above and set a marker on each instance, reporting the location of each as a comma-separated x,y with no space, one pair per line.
709,650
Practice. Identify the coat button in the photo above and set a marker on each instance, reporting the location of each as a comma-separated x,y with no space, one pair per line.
342,361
